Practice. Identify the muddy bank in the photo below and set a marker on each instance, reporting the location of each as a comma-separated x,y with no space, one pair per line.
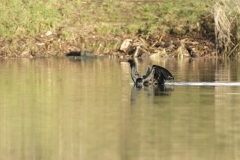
49,44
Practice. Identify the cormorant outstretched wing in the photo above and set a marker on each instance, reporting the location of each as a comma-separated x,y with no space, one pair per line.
149,69
157,76
161,74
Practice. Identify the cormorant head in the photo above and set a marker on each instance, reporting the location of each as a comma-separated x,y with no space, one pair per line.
131,62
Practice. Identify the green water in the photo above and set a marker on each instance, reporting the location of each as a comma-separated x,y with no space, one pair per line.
53,109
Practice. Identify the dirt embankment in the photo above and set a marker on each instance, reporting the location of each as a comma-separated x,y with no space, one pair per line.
192,44
153,45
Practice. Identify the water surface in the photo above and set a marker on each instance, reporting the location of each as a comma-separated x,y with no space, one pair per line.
87,109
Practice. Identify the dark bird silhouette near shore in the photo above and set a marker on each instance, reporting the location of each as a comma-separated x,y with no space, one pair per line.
155,75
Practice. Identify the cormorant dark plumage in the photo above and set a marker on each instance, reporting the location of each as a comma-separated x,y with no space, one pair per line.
155,75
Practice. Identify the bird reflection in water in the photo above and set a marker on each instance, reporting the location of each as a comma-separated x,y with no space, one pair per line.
150,91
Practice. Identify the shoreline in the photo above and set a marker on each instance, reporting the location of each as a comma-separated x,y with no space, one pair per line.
50,45
38,29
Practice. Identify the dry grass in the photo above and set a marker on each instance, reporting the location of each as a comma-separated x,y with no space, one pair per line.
226,13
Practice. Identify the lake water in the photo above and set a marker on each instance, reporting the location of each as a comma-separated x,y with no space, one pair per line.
53,109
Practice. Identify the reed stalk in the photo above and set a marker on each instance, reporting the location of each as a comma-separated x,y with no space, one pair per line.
226,14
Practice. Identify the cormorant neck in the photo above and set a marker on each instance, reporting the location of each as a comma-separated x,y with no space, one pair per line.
133,72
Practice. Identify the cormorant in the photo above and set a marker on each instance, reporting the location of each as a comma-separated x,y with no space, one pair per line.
155,75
